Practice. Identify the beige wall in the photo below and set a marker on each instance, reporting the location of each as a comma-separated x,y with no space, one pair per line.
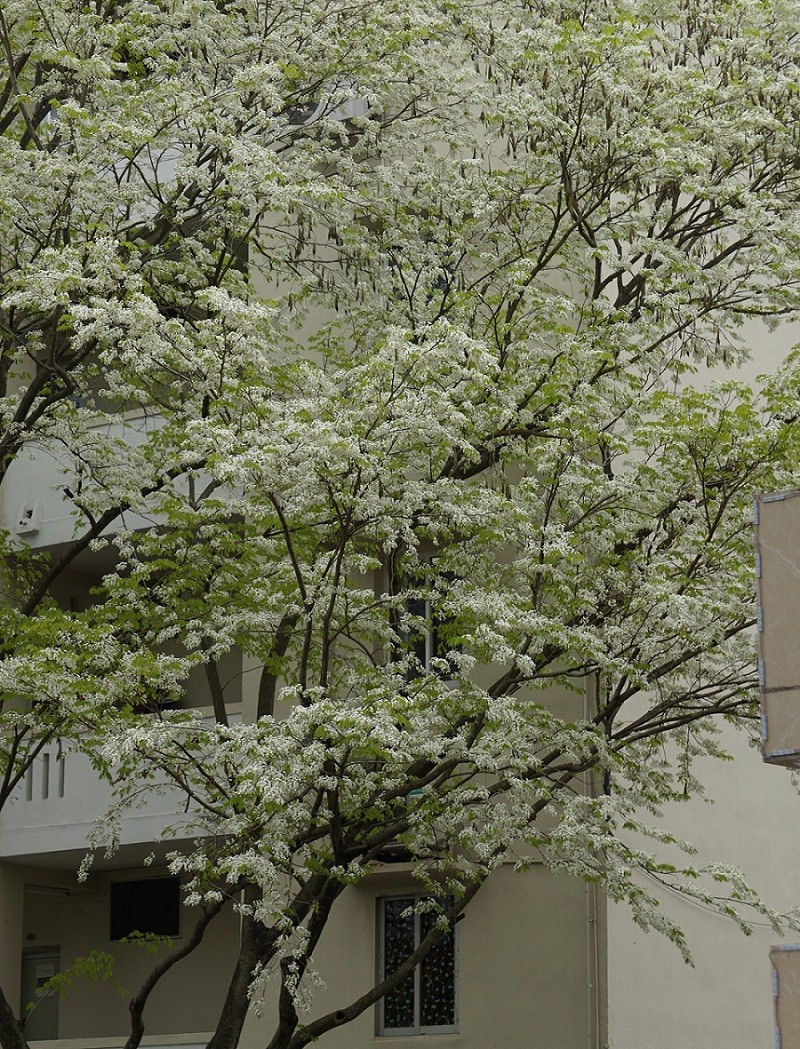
524,967
767,350
186,1000
655,1000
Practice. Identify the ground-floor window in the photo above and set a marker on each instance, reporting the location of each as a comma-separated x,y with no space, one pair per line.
145,906
425,1002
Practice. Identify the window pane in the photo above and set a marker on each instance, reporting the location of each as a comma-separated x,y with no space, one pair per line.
437,980
398,943
419,634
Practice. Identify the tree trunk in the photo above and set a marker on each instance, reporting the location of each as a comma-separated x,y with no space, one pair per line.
139,1000
12,1035
255,945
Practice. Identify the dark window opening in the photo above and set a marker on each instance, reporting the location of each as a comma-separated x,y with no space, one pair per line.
148,906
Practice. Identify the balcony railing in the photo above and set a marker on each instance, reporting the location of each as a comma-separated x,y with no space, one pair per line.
62,796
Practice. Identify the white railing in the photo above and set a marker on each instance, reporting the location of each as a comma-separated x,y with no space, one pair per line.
61,798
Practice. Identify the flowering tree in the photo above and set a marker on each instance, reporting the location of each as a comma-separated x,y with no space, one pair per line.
417,348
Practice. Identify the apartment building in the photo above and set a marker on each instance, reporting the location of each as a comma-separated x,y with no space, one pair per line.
493,239
539,958
530,955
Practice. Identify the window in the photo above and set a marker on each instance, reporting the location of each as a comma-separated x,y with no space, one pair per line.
433,639
427,642
147,905
425,1002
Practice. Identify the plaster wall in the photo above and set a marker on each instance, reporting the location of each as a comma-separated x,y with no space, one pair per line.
76,920
654,998
527,957
525,967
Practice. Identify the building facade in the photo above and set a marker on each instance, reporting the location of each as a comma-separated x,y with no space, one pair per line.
540,959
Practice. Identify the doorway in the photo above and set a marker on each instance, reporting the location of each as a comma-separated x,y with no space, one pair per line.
37,967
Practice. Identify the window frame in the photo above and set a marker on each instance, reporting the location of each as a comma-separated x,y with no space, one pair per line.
419,1029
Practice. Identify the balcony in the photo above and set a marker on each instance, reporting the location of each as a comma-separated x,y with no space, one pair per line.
52,812
34,505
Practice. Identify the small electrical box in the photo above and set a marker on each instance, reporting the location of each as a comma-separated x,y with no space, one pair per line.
29,518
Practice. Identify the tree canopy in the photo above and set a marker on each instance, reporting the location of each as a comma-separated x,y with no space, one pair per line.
415,299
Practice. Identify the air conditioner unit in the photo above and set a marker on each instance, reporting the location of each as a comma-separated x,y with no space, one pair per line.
394,852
